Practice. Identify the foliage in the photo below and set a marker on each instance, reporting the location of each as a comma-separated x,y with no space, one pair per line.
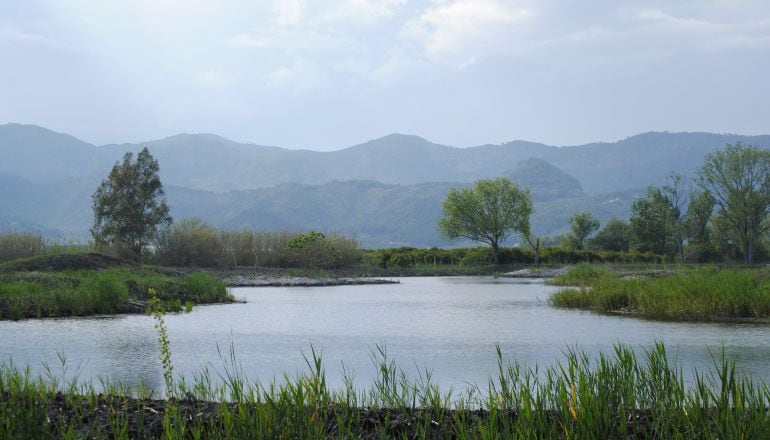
314,250
650,223
14,245
155,309
194,243
489,212
706,294
613,237
697,227
90,292
582,225
615,395
482,256
188,242
583,274
738,179
130,205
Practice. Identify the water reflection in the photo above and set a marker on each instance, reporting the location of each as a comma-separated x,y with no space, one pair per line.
450,325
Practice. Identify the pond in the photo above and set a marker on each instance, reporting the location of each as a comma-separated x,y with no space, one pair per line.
448,325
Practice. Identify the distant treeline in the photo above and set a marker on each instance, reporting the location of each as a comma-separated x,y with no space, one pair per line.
406,257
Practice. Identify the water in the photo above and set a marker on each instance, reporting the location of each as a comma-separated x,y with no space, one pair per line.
448,325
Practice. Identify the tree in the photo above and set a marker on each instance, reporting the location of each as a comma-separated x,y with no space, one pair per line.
650,223
489,212
613,237
738,178
129,205
313,250
696,224
582,225
674,193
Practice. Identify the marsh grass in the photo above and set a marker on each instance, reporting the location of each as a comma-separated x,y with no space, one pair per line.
583,274
703,294
616,395
90,292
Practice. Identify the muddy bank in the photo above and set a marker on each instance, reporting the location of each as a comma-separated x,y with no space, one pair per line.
544,272
300,281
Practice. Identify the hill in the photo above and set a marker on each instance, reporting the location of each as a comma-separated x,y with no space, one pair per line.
212,163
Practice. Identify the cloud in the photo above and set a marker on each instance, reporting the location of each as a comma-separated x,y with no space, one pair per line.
245,40
288,12
302,77
364,12
15,36
209,78
462,30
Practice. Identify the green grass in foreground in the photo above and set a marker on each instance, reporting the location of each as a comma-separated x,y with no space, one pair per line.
614,396
89,292
704,294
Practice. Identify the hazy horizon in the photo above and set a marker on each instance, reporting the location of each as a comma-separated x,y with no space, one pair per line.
304,74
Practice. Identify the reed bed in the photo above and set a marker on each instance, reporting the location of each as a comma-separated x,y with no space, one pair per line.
90,292
703,294
616,395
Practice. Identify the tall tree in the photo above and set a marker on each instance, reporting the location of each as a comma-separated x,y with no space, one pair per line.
613,237
650,223
697,221
489,212
129,205
738,178
582,225
674,193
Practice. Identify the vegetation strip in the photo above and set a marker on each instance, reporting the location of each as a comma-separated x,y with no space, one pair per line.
702,294
32,294
614,396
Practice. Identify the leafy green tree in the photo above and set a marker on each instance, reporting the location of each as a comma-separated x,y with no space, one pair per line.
674,193
613,237
738,178
697,223
650,223
314,250
129,205
489,213
582,225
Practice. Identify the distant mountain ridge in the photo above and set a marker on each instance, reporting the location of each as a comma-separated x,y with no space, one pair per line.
210,162
386,192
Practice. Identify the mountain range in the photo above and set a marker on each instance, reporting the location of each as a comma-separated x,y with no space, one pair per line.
385,192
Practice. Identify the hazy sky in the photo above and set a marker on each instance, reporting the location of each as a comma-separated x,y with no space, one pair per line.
330,74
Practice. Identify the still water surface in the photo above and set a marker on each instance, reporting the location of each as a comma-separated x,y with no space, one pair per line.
449,325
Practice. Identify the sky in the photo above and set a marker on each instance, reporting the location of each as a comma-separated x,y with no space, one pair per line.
329,74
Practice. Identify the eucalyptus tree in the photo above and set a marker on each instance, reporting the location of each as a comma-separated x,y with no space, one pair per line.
738,179
489,212
129,205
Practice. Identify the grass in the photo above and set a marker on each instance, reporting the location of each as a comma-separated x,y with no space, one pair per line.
89,292
702,294
615,396
582,274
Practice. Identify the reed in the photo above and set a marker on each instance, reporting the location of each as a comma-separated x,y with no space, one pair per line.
617,395
703,294
89,292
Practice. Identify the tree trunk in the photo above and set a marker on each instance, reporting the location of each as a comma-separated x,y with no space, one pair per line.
496,253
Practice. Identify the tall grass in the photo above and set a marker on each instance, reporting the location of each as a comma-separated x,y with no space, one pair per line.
583,274
616,395
705,294
88,292
15,245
